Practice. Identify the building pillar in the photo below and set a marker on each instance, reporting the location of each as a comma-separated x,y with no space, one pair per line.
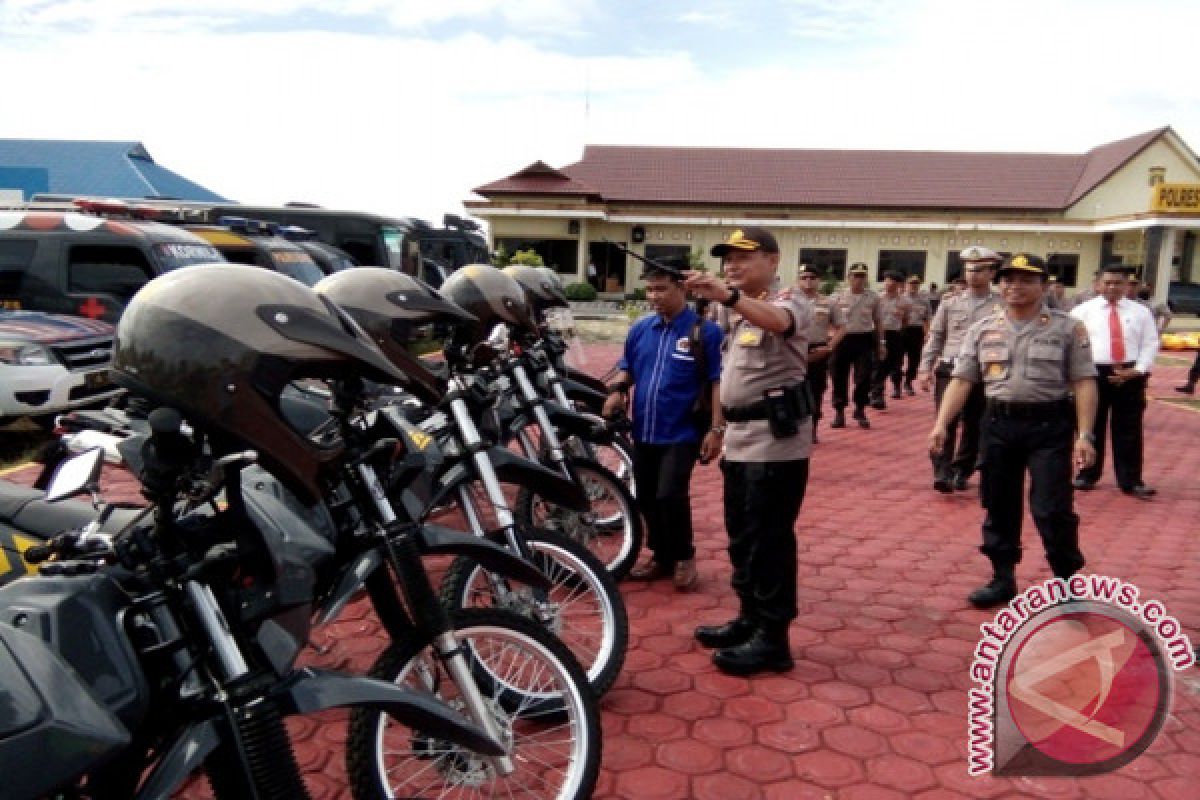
581,251
1160,249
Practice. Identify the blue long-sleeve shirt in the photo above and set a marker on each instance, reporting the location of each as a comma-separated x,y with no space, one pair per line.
658,355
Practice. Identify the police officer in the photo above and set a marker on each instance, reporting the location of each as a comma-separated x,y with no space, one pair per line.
952,467
767,446
1029,359
860,346
826,331
916,330
894,309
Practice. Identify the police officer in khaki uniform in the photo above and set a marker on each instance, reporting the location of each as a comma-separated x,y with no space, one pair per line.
894,308
915,330
861,345
767,446
952,467
824,334
1029,359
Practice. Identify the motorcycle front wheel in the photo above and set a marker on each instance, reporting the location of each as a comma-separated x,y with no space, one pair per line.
583,606
535,691
612,528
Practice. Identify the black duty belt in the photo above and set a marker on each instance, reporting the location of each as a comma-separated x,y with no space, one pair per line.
758,409
1107,369
1054,409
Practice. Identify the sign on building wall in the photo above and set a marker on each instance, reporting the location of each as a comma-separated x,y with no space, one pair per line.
1175,197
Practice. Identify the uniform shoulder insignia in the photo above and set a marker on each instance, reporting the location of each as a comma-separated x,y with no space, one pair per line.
1044,319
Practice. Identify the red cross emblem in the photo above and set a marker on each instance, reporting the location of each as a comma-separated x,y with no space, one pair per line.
92,308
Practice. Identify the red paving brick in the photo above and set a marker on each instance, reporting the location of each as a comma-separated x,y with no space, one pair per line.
876,705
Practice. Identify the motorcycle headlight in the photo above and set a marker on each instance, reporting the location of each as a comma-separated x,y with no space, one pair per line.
24,354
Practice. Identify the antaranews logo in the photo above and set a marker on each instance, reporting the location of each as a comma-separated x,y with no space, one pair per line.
1074,677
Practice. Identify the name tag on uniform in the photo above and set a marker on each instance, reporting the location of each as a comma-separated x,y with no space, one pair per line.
750,338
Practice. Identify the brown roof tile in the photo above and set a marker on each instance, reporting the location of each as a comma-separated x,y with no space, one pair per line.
830,178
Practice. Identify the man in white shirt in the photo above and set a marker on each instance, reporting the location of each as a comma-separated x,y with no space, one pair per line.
1124,342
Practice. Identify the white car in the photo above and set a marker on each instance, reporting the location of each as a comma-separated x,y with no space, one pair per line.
51,363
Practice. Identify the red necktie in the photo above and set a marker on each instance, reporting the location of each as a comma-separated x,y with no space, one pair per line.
1116,337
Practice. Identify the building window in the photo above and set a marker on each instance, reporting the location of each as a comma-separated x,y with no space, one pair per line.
561,255
1064,266
908,262
827,262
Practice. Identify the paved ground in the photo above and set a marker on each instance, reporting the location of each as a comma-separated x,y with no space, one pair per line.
876,707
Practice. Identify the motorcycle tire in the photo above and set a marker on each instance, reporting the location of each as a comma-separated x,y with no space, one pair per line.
583,608
612,529
552,726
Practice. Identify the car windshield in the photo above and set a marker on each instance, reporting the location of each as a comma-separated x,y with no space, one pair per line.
297,265
173,255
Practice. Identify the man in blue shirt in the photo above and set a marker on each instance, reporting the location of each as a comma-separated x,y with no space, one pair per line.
662,362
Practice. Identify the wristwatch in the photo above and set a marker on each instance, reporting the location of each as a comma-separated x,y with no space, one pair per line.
1087,436
735,294
717,429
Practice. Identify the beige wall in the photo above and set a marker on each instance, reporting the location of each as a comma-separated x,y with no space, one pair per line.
1127,191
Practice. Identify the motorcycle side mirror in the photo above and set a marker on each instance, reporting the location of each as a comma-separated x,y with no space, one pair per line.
76,475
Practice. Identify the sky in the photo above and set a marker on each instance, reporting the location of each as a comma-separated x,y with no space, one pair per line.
402,107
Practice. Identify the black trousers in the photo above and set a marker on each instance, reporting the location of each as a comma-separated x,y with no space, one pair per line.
663,473
817,379
914,340
889,365
857,351
960,453
1044,448
1125,406
1194,371
762,502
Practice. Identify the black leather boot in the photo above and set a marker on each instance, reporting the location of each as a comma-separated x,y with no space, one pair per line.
839,418
732,633
1001,589
766,651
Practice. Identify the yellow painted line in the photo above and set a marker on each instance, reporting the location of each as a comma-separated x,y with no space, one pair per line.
10,470
1176,403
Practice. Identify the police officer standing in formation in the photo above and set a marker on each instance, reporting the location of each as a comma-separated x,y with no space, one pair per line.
1124,341
894,308
953,465
860,346
915,330
767,446
1029,359
828,327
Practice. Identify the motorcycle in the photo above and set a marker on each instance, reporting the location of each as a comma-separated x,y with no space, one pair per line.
196,615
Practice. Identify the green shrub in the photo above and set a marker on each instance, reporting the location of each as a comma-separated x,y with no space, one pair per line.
580,292
529,258
637,295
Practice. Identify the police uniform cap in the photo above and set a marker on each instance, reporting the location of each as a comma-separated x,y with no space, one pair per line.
1024,262
749,240
914,278
978,253
807,269
859,268
892,274
1120,269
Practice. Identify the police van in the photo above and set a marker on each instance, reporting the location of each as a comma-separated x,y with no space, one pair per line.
87,263
408,244
258,243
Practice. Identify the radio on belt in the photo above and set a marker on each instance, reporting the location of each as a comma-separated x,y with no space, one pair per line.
781,413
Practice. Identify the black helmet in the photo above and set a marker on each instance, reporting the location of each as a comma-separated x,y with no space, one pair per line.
491,296
391,307
221,342
541,292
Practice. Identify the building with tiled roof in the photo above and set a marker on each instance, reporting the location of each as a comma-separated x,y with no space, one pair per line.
93,168
1136,200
